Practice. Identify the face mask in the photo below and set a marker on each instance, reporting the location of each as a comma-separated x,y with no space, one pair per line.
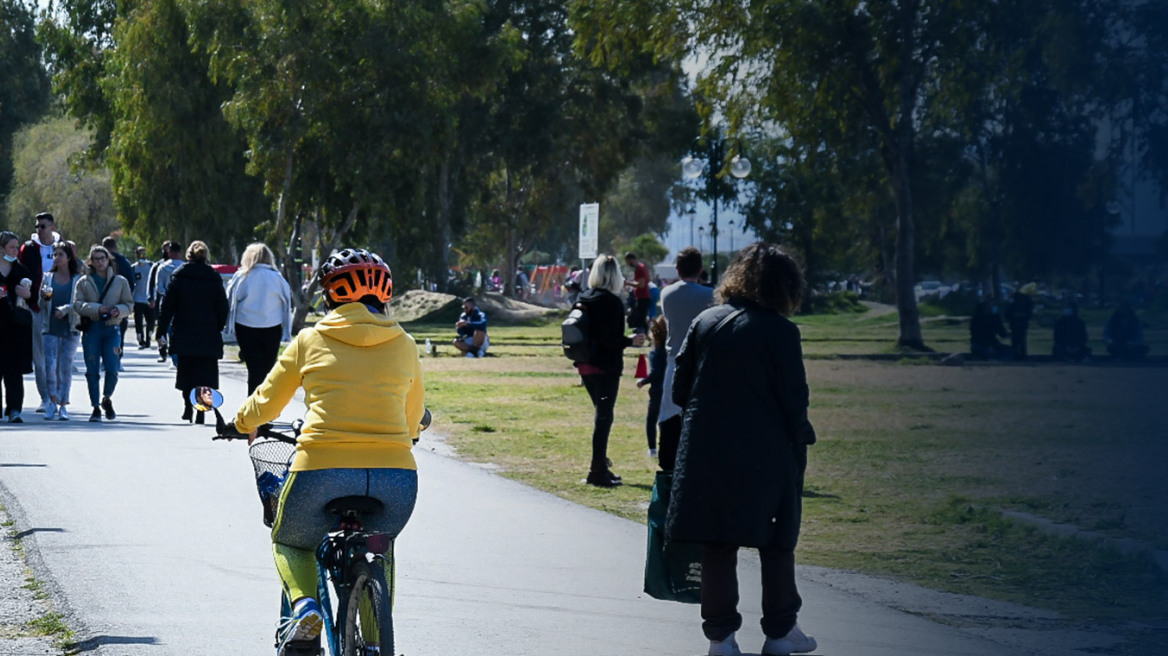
10,258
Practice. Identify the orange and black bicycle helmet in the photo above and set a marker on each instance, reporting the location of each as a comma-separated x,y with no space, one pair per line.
351,274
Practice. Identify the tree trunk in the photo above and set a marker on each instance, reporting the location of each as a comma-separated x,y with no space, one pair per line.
906,300
442,230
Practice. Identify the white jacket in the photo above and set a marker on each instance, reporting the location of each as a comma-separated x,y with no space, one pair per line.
260,298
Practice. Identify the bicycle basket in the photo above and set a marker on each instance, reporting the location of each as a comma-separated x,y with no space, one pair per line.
270,459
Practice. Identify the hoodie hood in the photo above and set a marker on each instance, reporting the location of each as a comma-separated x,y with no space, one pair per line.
37,239
354,324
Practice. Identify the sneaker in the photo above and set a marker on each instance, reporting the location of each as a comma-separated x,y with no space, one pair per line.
63,414
305,624
44,407
726,647
652,453
108,406
469,354
51,412
14,418
96,416
795,642
602,479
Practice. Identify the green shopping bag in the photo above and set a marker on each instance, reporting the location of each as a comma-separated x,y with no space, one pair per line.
673,571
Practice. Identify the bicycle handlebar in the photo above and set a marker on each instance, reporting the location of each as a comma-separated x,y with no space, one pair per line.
227,431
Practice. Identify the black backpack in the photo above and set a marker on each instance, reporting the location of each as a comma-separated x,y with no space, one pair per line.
574,335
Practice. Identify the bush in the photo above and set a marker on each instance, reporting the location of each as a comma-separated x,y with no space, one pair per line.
960,303
833,303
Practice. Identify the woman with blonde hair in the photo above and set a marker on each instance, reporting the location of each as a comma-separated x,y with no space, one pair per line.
196,305
601,375
260,314
738,478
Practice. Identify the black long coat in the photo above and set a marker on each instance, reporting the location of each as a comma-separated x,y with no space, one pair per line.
197,305
744,435
15,338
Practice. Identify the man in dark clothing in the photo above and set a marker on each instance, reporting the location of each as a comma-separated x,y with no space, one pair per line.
1018,314
37,256
984,329
1070,337
472,330
1124,334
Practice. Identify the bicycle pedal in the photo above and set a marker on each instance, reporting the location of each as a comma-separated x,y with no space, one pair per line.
303,648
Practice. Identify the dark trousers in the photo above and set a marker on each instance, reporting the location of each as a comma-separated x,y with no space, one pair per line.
780,597
13,392
1018,340
602,388
667,447
651,414
639,315
259,348
143,322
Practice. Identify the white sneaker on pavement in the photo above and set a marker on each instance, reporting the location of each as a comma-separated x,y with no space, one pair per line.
63,415
795,642
51,412
727,647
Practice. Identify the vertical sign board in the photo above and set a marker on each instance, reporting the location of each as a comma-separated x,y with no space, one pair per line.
589,227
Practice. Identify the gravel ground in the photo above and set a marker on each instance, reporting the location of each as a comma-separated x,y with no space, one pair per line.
18,605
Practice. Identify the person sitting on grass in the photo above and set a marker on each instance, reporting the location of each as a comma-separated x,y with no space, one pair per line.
1124,334
472,330
984,329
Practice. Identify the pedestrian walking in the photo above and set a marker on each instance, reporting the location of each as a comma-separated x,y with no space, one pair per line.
743,449
102,297
16,325
260,311
161,275
655,379
37,256
125,269
143,310
194,313
61,333
601,375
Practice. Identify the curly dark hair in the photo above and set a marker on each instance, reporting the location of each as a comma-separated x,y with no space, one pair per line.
766,275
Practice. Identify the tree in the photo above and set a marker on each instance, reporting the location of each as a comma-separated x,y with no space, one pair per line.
24,83
49,177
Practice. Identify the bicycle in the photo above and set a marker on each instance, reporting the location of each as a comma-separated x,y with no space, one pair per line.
355,561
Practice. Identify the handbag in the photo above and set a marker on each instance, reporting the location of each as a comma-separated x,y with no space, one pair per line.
673,570
85,323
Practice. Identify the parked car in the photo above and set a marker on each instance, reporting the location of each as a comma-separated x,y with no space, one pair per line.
931,289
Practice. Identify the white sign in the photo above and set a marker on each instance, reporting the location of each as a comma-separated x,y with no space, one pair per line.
589,229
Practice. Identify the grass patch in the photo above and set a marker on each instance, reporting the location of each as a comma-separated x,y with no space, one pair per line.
914,464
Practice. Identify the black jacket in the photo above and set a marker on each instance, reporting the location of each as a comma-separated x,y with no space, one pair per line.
744,435
196,304
606,329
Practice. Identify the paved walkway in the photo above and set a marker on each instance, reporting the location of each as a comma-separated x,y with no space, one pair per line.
148,534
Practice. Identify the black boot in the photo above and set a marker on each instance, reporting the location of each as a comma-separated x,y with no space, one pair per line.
188,409
199,417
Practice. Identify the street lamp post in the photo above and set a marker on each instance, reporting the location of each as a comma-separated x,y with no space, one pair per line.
731,237
701,237
693,168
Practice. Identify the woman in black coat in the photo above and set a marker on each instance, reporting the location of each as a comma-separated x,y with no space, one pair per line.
15,326
743,449
197,305
601,375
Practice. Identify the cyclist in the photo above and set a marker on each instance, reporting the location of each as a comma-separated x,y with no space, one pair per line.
363,390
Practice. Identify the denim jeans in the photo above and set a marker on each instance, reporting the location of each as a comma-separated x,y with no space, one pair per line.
59,354
100,346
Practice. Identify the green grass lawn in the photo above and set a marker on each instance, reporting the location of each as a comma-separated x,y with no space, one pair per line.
914,466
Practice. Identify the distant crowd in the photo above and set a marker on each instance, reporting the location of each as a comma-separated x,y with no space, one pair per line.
52,302
1123,334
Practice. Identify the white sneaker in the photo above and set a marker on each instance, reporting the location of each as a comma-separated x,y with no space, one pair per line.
727,647
652,453
795,642
44,406
51,412
63,414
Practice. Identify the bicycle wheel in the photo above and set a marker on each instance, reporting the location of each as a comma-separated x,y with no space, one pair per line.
368,617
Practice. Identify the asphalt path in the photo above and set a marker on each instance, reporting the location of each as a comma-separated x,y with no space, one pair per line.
149,536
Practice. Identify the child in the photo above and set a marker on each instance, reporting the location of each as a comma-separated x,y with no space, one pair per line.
657,361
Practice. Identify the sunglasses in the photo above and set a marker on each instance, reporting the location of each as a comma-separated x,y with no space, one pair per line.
42,226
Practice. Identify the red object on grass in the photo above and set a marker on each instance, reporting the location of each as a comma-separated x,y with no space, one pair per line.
642,367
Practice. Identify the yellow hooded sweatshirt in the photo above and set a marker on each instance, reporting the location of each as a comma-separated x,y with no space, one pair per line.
363,388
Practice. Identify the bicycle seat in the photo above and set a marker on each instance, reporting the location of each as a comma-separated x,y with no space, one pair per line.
357,505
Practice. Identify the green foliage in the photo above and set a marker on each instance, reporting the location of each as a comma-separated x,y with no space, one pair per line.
833,303
24,84
648,248
50,177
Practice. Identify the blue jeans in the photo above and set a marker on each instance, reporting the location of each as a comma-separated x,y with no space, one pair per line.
100,346
59,353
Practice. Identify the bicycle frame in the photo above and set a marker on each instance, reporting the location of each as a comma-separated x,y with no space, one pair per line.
334,559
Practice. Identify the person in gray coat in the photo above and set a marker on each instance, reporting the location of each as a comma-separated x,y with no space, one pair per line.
743,448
